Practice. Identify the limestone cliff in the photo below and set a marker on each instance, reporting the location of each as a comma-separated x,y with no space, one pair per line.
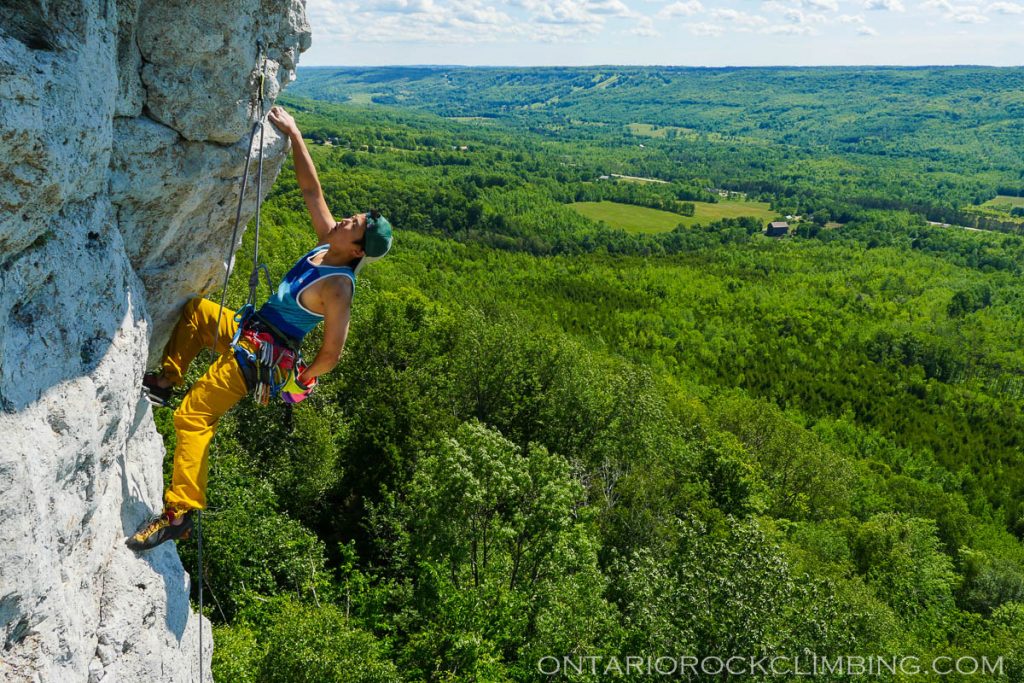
123,134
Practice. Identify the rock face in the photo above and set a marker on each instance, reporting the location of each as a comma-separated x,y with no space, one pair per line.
124,127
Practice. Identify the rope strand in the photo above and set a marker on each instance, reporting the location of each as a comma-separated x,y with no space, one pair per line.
261,60
199,542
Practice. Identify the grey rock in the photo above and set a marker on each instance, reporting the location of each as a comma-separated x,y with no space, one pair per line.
123,135
206,54
176,205
130,94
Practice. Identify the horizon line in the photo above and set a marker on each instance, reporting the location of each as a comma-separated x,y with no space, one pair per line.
659,66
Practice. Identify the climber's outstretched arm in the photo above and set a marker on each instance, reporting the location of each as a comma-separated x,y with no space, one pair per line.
335,300
305,173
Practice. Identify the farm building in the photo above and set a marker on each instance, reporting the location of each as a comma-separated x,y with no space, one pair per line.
778,229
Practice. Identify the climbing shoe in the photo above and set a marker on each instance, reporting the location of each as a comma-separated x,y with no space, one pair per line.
155,394
162,528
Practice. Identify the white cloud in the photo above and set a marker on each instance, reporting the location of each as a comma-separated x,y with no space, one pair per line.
860,22
1006,8
706,29
792,13
433,21
681,9
564,12
789,29
736,17
609,7
402,6
968,15
598,24
560,33
473,21
645,27
482,15
831,5
888,5
330,16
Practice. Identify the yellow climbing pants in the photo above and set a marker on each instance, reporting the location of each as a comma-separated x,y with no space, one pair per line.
214,394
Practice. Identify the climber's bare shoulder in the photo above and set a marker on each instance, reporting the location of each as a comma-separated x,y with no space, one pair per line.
329,297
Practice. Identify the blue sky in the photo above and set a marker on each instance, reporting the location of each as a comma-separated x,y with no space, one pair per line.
678,32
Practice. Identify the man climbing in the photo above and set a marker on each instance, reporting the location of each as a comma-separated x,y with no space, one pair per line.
319,287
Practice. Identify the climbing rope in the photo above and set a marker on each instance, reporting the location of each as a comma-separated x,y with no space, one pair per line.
254,275
254,278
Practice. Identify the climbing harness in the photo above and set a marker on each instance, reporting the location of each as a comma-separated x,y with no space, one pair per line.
273,364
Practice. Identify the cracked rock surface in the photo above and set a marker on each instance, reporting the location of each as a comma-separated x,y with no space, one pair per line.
124,126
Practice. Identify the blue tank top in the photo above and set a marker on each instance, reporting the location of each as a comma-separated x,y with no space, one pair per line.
283,309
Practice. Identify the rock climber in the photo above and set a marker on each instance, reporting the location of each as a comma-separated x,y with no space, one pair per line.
319,287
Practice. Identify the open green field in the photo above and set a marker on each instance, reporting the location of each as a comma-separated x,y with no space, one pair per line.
651,131
628,217
641,219
730,208
1002,200
1000,207
361,98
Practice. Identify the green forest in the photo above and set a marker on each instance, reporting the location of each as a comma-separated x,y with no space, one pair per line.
553,437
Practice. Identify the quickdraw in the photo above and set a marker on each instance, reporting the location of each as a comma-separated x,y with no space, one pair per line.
271,365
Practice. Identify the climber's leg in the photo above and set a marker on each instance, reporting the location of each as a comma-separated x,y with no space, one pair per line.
197,328
195,420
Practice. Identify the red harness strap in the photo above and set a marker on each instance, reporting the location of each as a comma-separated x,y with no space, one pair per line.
273,363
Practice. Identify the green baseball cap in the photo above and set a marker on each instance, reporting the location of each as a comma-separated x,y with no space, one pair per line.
378,234
377,240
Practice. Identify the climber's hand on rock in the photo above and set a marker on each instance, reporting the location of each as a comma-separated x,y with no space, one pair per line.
284,121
